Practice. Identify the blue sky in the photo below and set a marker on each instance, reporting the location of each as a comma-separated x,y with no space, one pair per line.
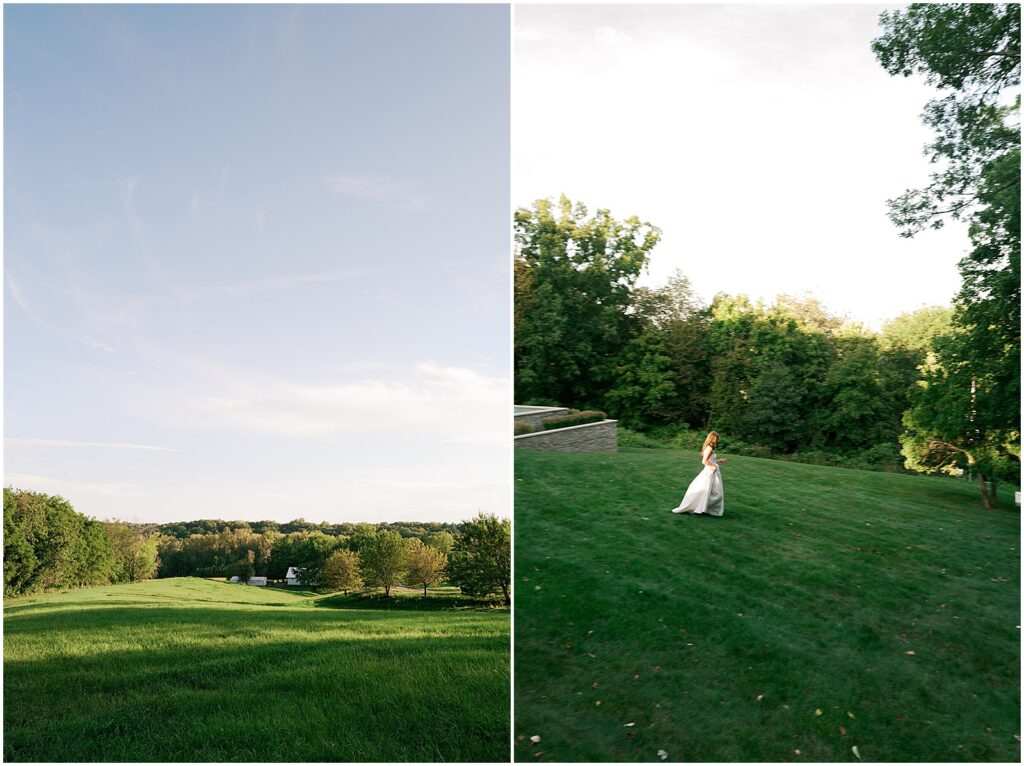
256,260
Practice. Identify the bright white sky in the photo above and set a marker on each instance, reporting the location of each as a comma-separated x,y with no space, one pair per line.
763,140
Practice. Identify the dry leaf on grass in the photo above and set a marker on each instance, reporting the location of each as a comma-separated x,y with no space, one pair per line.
662,754
856,752
535,739
817,711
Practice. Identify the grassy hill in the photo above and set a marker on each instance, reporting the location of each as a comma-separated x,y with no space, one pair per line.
189,669
828,609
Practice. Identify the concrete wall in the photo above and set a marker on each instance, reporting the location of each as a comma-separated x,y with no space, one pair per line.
589,437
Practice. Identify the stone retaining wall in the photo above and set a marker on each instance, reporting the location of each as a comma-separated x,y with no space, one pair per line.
589,437
538,415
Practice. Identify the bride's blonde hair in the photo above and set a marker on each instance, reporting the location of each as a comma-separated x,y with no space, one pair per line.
711,437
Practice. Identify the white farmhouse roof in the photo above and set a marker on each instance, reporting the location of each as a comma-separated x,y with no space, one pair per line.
293,573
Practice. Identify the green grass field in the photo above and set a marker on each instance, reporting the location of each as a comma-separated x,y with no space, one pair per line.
200,670
828,609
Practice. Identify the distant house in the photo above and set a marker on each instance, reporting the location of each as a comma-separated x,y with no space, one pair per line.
234,578
294,577
258,581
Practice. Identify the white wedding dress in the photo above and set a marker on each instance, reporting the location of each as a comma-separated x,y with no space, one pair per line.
705,493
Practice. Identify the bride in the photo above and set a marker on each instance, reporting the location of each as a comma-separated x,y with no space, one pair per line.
705,493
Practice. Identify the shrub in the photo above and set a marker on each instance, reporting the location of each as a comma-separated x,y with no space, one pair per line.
629,438
522,427
574,419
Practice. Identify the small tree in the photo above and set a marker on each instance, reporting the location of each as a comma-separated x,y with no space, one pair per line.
426,565
382,560
341,572
481,560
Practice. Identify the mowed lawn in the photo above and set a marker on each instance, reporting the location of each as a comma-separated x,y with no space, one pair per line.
829,609
190,669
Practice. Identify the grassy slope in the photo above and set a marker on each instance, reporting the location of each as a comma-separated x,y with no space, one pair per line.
810,591
198,670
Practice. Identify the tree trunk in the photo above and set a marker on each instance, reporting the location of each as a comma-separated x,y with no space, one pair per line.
504,589
984,491
424,590
387,588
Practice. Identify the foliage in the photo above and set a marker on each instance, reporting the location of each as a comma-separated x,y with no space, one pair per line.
955,423
341,572
48,545
772,415
629,438
183,529
135,554
425,565
644,380
576,418
441,541
574,274
972,52
481,561
382,560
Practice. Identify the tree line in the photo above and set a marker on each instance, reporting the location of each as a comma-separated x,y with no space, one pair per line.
48,545
936,389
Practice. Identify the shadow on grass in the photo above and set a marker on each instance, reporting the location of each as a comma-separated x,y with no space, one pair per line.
409,602
158,684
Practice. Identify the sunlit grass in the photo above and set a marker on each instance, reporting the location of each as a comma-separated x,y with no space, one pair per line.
829,608
189,669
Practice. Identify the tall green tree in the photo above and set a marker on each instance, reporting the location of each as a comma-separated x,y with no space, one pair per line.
135,553
772,415
383,560
481,561
950,424
425,565
574,276
342,572
971,52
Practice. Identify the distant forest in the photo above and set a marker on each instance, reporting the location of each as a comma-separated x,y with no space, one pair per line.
50,546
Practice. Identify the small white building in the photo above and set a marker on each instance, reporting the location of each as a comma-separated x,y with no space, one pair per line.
292,578
234,578
258,581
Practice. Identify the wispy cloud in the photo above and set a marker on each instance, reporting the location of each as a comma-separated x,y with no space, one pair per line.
265,285
27,443
15,291
442,403
102,346
613,37
377,189
70,488
532,35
